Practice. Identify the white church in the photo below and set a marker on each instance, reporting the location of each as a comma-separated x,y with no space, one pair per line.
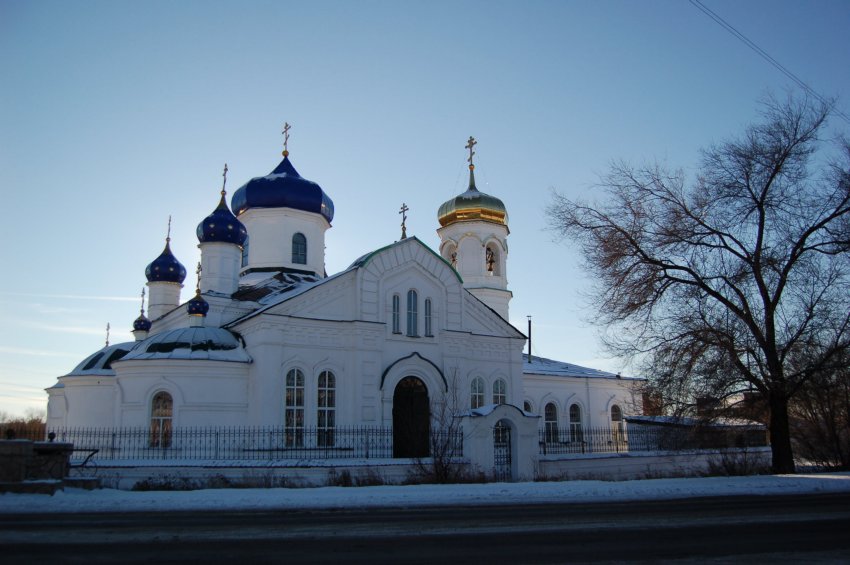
269,338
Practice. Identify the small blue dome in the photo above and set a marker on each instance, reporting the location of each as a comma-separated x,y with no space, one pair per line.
197,306
142,324
283,188
222,226
166,268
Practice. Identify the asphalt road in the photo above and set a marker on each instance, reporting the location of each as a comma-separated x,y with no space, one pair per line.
775,529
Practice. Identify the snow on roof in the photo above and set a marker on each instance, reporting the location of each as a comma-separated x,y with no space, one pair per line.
100,362
274,289
195,343
550,367
688,421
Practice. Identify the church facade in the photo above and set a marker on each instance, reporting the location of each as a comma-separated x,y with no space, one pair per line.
269,339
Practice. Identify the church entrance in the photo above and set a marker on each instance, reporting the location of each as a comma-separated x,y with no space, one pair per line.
411,418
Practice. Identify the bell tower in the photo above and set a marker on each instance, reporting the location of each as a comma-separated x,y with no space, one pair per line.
473,238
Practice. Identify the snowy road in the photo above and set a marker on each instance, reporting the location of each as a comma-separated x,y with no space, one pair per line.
776,529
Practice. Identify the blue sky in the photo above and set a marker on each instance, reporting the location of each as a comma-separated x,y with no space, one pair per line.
115,114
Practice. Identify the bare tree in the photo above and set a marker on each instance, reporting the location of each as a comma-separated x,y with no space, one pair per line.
445,439
820,419
713,287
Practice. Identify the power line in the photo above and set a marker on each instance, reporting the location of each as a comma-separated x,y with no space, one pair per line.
763,54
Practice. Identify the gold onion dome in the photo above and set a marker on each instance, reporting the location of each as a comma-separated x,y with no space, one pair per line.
472,205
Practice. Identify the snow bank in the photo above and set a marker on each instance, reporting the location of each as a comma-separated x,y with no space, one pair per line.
108,500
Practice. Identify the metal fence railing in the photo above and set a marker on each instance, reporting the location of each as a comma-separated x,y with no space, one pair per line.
578,440
236,442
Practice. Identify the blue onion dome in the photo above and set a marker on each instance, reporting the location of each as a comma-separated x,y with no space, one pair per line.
166,267
472,205
197,306
142,324
222,226
283,188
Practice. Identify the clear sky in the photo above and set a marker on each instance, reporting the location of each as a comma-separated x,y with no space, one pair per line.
115,114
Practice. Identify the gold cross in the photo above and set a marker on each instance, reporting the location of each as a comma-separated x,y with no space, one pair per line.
107,334
198,272
286,128
168,235
224,182
403,213
142,311
470,144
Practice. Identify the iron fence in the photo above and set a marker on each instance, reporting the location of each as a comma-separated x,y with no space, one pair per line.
578,440
268,443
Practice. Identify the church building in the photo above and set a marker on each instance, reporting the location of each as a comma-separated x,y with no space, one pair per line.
268,338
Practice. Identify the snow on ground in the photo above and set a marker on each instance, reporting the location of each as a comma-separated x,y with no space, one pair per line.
109,500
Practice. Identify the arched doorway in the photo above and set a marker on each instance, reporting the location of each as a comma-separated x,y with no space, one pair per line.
411,418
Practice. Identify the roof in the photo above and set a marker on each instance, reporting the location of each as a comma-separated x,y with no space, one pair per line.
550,367
363,260
691,422
271,289
100,362
195,343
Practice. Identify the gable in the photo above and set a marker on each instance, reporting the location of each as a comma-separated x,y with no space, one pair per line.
403,266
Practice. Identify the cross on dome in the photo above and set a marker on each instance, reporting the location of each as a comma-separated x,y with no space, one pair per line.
469,145
285,132
224,180
198,272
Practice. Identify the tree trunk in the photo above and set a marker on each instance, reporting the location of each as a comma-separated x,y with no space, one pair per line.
780,435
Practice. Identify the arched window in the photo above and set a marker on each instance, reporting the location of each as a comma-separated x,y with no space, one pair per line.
294,409
528,407
412,313
245,252
326,404
396,314
550,423
477,393
299,249
450,254
500,395
617,428
491,260
576,433
162,414
428,318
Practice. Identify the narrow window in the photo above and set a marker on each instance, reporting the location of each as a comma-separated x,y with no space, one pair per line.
499,392
396,314
477,393
294,413
412,313
527,407
576,433
299,249
245,252
550,419
326,417
617,429
162,413
428,318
